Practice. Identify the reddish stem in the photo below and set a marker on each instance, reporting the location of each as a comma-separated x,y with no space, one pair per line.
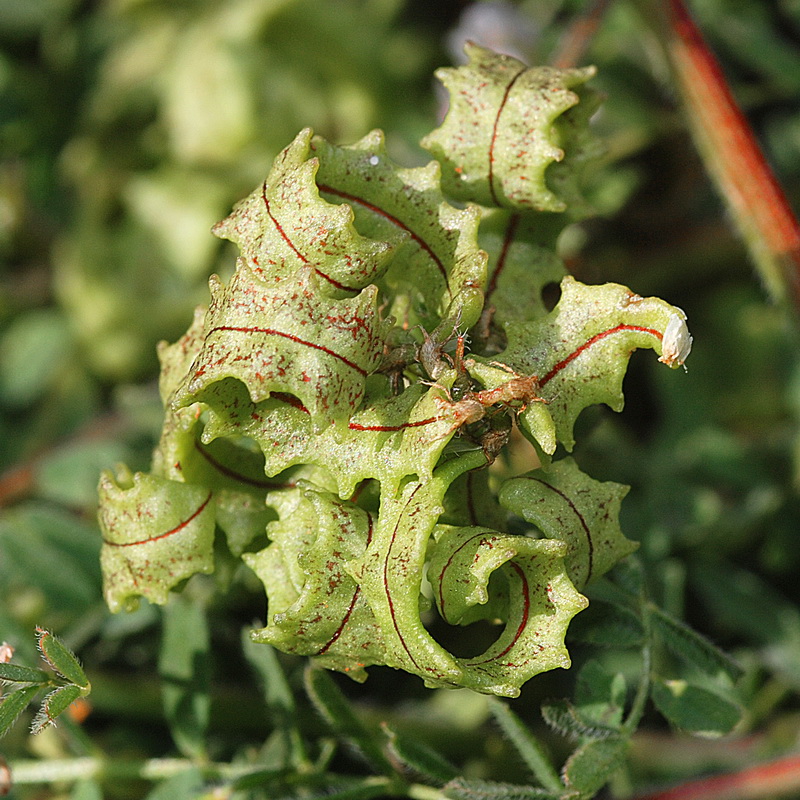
578,36
762,780
733,155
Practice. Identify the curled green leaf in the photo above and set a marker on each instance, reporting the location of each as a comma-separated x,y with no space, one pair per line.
580,351
566,504
315,606
287,337
285,227
502,130
156,533
437,271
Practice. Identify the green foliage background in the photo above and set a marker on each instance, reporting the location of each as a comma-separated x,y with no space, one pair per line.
127,128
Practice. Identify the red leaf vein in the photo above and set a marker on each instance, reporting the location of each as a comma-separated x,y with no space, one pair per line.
292,338
177,529
593,340
394,220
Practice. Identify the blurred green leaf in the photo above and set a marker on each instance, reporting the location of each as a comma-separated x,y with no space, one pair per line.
279,698
54,551
69,474
184,669
185,786
600,694
591,766
13,704
419,757
86,790
529,748
339,714
694,709
607,625
32,351
691,647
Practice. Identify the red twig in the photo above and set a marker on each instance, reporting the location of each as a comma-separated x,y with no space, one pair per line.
578,36
762,780
733,156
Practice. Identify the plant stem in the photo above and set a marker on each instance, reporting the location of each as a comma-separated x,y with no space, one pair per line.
643,689
578,36
75,769
527,745
780,777
731,153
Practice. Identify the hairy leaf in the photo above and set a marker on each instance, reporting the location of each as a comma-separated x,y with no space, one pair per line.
61,659
16,673
473,789
590,767
55,704
564,717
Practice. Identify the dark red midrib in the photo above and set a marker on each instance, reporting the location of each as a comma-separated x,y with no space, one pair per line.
495,131
229,473
593,340
508,238
352,605
394,220
447,566
287,239
177,529
578,514
386,579
292,338
526,610
355,426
